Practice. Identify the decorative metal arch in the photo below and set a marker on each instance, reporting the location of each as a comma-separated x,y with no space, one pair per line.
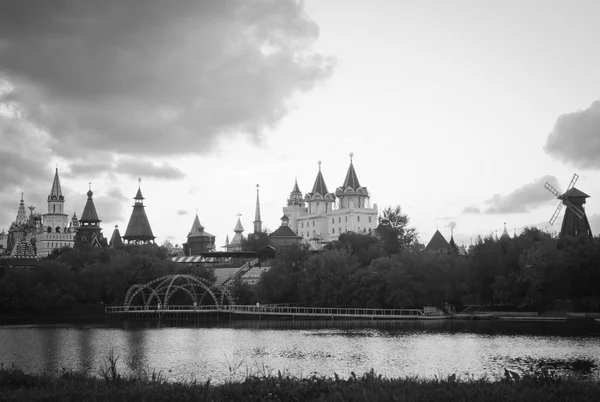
168,285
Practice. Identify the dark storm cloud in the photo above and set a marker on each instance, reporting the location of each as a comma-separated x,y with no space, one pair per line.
522,199
576,138
153,77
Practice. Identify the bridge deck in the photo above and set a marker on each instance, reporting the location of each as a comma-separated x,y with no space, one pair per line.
274,310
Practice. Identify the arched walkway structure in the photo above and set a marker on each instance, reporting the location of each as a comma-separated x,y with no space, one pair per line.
160,291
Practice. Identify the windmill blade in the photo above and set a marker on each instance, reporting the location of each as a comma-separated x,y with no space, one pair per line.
556,213
578,212
572,184
554,191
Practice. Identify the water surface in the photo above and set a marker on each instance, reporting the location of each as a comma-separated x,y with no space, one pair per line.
232,351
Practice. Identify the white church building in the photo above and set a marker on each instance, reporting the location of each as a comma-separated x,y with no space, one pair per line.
320,216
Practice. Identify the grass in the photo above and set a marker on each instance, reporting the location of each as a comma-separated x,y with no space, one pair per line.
110,385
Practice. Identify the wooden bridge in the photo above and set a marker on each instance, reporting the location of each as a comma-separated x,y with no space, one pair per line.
274,311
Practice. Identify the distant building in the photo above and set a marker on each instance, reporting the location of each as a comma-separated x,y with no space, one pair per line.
138,229
3,241
57,231
236,242
437,244
116,241
198,241
89,232
284,235
21,241
321,216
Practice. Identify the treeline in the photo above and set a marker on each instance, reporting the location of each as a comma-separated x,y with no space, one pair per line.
532,271
73,277
386,270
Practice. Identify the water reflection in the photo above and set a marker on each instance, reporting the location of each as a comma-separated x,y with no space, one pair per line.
302,348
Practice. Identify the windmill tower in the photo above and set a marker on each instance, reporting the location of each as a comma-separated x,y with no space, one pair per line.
575,221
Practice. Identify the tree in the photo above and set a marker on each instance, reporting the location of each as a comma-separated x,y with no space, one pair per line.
280,283
394,232
255,242
242,292
366,248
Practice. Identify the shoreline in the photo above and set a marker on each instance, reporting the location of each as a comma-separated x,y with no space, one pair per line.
109,384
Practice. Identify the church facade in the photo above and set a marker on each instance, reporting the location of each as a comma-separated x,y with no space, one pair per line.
36,235
321,216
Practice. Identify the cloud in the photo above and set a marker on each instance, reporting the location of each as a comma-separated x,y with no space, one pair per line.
110,207
523,198
471,209
132,82
142,168
450,225
150,77
576,138
182,212
85,168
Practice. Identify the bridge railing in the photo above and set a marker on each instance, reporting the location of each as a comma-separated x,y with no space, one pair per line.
322,311
274,310
121,309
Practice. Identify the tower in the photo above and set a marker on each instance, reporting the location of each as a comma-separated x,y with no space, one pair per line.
115,240
198,241
351,194
138,229
56,221
319,200
505,234
74,223
236,241
295,207
89,233
21,214
257,222
313,225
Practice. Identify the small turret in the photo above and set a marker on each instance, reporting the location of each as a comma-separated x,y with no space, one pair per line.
351,194
319,200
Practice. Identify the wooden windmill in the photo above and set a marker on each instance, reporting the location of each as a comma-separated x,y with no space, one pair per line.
575,221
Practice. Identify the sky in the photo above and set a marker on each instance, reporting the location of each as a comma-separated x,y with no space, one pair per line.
459,111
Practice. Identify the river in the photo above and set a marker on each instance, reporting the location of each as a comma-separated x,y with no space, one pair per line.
232,351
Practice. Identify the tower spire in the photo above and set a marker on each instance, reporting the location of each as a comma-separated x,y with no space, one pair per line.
56,199
257,222
21,214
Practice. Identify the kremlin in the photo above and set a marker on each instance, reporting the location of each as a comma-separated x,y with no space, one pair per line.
314,218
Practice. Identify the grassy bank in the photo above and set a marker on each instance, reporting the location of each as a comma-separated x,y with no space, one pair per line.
16,385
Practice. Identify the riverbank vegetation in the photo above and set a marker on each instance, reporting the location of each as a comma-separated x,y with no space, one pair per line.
533,271
17,385
387,269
